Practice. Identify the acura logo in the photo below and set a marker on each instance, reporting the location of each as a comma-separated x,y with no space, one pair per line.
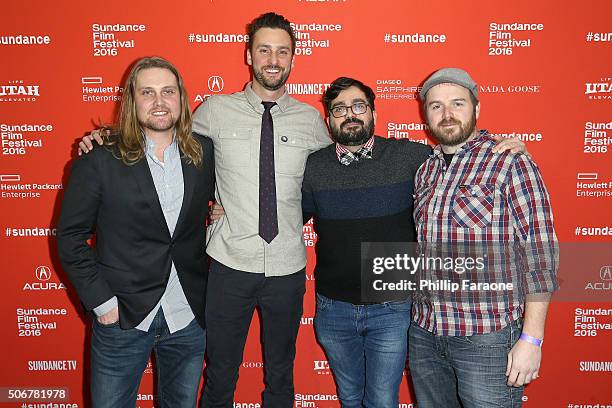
43,273
605,273
215,83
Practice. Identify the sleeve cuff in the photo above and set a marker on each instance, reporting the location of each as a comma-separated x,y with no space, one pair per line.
106,307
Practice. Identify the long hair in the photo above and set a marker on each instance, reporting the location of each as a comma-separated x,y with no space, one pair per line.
126,136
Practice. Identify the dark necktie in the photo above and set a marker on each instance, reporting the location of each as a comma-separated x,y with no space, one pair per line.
268,219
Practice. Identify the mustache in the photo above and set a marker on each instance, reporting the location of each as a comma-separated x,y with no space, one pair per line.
272,67
159,108
446,122
352,120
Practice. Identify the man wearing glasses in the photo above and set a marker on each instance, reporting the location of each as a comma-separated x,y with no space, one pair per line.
359,190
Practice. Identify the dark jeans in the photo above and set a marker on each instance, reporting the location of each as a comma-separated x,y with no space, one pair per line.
231,300
366,347
463,371
119,357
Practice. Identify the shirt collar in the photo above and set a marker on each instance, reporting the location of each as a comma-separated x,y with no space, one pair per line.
255,101
150,146
346,157
483,135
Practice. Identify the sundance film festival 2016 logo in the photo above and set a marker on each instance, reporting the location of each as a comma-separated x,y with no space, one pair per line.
599,90
35,322
592,322
17,139
504,38
18,91
313,400
407,130
43,275
308,36
596,138
108,39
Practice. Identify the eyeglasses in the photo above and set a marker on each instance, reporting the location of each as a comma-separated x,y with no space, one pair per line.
357,108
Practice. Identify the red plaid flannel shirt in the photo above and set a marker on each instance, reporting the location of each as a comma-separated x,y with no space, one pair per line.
487,198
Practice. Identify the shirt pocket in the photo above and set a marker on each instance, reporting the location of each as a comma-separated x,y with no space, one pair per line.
235,147
473,206
292,154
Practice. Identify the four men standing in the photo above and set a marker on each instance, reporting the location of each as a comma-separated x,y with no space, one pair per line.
358,190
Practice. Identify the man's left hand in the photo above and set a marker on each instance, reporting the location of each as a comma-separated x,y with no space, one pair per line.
216,212
514,145
523,363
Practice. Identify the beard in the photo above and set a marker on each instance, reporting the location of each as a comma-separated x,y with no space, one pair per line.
452,136
353,136
271,85
158,125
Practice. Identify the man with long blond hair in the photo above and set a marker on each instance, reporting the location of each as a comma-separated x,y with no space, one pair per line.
145,196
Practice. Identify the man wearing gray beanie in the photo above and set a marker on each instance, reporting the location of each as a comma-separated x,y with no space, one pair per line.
477,344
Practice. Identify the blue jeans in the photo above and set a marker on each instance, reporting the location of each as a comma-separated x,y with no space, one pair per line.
119,357
463,371
366,348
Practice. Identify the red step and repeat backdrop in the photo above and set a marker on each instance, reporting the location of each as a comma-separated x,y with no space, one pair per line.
545,76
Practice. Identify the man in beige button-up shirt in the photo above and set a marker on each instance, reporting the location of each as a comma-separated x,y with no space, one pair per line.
233,122
246,271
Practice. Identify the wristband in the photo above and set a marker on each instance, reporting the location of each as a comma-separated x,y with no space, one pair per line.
532,340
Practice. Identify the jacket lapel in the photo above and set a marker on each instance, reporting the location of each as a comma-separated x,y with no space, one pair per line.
143,177
189,181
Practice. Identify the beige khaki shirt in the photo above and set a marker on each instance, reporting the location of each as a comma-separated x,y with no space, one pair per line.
233,122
